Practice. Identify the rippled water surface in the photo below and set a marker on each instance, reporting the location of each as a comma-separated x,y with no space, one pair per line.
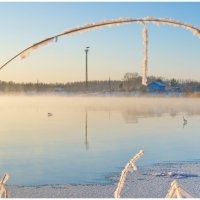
88,138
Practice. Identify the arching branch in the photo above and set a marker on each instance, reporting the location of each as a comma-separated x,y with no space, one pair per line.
25,52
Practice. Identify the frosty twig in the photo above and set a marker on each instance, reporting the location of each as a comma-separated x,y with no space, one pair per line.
195,30
176,191
130,165
145,59
2,187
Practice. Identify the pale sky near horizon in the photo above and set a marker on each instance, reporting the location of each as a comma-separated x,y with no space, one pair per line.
173,51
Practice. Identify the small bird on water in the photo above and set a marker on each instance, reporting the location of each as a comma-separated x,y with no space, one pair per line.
50,114
184,122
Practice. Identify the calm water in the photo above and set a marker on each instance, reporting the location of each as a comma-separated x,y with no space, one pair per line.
89,138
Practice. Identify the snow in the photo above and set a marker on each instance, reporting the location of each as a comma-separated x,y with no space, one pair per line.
147,182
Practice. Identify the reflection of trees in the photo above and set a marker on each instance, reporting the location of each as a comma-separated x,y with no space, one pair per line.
173,113
132,115
134,108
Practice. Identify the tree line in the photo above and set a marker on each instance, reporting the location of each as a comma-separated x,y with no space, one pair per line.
129,83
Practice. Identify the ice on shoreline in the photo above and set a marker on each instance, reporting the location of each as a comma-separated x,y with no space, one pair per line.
151,182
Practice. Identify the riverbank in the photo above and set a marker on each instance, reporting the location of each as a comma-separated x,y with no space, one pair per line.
104,94
152,182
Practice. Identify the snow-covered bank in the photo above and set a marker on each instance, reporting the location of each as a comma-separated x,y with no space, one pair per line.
151,182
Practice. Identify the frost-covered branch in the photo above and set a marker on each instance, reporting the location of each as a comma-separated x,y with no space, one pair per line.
129,167
2,187
177,191
24,53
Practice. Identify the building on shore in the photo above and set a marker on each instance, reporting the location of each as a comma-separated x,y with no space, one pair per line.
156,87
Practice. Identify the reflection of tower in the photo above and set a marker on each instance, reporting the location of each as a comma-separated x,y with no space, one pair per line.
86,68
37,85
86,141
110,85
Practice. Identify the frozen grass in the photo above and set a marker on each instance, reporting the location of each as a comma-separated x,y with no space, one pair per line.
130,166
177,191
3,190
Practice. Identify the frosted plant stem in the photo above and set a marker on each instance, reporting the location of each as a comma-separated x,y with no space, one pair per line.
145,59
177,191
130,165
165,21
2,187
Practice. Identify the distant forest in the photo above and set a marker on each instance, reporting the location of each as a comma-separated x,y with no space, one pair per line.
129,83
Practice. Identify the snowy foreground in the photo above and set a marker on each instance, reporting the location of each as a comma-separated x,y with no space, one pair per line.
151,182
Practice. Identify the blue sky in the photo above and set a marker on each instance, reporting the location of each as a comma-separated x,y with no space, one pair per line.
173,52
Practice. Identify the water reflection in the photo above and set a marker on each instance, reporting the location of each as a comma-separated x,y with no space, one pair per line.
184,122
130,116
172,108
173,113
59,145
86,131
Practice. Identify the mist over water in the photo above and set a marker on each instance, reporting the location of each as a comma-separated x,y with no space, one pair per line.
89,138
